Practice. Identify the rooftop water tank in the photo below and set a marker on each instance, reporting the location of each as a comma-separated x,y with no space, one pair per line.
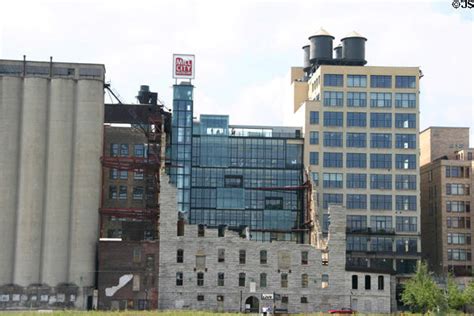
338,52
320,47
353,48
306,62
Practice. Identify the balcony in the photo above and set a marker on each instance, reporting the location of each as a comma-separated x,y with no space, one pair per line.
377,269
370,231
372,254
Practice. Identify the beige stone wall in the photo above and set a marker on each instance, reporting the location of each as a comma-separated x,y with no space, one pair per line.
282,257
443,141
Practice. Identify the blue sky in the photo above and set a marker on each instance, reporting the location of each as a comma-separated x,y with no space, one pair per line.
244,49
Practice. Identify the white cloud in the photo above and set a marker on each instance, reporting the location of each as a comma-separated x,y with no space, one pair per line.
244,49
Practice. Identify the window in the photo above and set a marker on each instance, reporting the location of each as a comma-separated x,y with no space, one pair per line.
405,141
333,139
314,138
356,119
380,81
220,279
383,244
201,230
221,231
242,256
324,281
241,279
405,82
457,206
333,98
122,192
138,193
304,257
313,117
356,181
356,140
405,100
458,222
314,158
405,120
113,174
407,245
200,261
200,297
355,282
367,282
356,201
331,198
333,119
220,298
114,150
356,222
112,192
303,300
200,279
137,255
284,299
263,280
284,280
332,180
304,280
273,203
405,202
357,81
315,177
357,99
220,255
380,140
381,223
454,172
139,150
356,243
380,100
333,160
123,174
405,161
232,181
123,150
138,174
180,256
380,202
457,189
381,181
331,80
459,239
405,182
356,160
406,224
459,255
179,278
263,257
382,120
381,161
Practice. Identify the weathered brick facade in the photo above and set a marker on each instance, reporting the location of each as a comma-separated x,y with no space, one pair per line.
137,259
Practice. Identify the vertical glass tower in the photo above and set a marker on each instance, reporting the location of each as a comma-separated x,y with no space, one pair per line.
181,143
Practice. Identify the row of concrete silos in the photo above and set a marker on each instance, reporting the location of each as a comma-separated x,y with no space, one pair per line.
51,142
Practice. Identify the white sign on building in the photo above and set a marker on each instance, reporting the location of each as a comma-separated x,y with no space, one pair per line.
184,66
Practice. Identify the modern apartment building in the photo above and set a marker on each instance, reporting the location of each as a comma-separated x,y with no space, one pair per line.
362,149
238,175
446,199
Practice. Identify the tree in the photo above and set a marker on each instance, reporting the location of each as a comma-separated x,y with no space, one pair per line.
469,293
421,293
455,298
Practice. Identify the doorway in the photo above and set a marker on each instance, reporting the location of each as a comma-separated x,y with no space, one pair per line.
252,305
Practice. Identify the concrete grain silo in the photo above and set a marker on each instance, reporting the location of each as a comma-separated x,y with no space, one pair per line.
51,121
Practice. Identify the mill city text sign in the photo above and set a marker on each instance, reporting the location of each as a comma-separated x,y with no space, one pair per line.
184,66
